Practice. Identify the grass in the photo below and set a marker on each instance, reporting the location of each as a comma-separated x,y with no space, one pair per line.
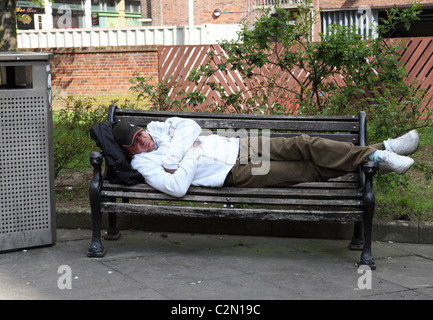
411,199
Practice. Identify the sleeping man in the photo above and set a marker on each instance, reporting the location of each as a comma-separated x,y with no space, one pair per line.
172,156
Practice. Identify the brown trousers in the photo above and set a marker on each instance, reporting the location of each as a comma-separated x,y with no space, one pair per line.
294,160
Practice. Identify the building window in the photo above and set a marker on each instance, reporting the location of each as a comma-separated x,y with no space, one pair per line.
105,20
68,14
132,7
365,20
105,13
105,5
132,13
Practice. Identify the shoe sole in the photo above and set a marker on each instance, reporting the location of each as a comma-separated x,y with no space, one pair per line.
417,141
387,167
405,170
412,150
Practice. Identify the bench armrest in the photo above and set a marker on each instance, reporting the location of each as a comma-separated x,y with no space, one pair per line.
96,159
369,170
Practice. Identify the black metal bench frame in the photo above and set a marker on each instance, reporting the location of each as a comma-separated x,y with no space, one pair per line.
346,199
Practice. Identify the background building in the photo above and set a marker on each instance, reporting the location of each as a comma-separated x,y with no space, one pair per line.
363,13
134,13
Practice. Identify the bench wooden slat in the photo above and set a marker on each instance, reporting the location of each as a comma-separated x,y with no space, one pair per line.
289,125
307,185
243,213
349,137
239,200
197,115
342,187
268,193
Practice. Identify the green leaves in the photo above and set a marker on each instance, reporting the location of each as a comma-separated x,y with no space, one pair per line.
71,133
396,18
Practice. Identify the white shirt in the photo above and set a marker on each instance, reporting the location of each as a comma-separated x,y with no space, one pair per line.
207,165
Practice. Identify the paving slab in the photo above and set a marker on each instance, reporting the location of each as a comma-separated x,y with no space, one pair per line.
184,266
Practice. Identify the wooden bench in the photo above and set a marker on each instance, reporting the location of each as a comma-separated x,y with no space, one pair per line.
346,199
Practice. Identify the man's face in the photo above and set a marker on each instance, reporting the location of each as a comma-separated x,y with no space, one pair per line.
143,142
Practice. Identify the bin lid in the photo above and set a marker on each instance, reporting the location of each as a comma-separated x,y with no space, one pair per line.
24,56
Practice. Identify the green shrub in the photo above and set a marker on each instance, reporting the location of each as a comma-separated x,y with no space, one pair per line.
71,133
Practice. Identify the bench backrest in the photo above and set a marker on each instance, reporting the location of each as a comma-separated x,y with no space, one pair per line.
340,128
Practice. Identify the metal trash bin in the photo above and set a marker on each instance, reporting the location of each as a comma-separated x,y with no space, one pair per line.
27,215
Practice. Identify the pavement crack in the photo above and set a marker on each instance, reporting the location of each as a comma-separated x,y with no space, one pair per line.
424,257
131,278
119,272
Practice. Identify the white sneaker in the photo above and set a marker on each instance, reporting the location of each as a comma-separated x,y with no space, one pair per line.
404,145
391,162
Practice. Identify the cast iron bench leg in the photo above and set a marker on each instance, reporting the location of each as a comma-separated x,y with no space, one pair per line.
112,232
357,242
369,200
96,248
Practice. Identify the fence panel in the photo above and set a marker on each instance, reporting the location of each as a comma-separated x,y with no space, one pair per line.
176,62
417,56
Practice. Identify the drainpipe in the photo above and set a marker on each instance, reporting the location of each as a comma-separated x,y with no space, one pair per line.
191,21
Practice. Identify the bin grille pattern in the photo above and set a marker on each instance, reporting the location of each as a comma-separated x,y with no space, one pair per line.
24,165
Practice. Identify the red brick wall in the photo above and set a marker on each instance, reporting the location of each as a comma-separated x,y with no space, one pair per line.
175,12
233,11
101,72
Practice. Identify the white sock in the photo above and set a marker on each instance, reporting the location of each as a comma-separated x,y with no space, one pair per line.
386,144
376,156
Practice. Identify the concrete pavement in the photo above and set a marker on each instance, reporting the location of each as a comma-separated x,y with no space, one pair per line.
178,266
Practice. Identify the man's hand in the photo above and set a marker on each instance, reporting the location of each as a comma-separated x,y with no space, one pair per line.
170,170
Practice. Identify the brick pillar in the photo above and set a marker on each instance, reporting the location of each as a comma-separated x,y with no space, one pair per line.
156,12
317,28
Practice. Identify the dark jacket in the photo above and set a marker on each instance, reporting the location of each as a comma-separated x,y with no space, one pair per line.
116,160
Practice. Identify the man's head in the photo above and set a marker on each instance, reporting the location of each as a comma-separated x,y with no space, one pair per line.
132,138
